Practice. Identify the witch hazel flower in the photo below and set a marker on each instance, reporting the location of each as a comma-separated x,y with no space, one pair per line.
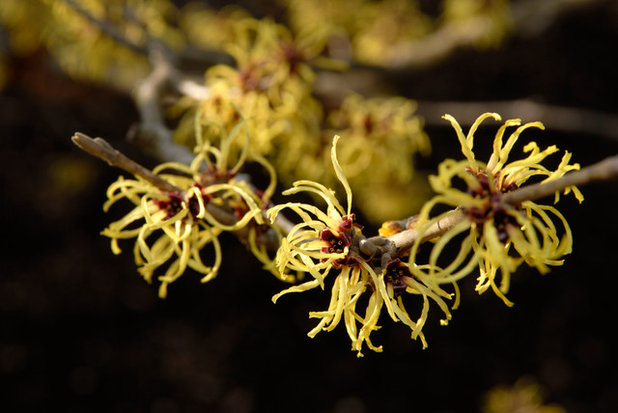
172,228
494,236
325,245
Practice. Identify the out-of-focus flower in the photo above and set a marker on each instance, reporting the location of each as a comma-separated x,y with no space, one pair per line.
381,136
80,46
385,27
487,22
525,396
209,28
271,87
173,228
367,29
497,237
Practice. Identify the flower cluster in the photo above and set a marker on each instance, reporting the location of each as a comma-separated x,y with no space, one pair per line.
493,235
380,138
80,46
492,19
526,394
324,243
272,86
368,29
380,33
172,228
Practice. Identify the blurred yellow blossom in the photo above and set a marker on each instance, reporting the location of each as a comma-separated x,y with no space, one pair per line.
485,21
81,46
381,136
367,29
209,28
271,87
525,396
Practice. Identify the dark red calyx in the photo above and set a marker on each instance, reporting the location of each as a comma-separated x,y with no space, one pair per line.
395,276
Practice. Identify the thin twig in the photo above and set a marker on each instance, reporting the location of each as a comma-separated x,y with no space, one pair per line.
396,245
605,169
147,92
106,27
190,54
404,240
100,148
147,99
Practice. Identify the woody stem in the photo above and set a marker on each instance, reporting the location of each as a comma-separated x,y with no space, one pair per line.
100,148
395,245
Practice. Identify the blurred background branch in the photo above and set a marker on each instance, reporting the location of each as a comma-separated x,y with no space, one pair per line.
558,118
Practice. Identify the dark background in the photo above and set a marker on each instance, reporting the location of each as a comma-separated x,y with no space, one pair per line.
81,331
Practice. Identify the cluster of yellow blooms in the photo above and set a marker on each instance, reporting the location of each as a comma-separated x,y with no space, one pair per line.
79,46
500,237
265,106
272,86
173,228
377,32
272,80
364,30
328,241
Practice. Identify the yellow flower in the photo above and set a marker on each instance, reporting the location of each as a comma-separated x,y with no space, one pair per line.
396,279
380,138
525,395
328,242
491,20
382,133
172,228
499,236
80,47
271,86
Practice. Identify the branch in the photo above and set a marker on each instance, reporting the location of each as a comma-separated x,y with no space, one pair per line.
386,248
147,92
528,18
191,53
605,169
106,27
147,99
100,148
560,118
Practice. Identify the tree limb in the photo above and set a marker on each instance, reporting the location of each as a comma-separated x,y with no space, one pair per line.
396,245
100,148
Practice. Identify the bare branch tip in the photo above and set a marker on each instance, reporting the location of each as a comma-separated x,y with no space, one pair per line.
79,137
